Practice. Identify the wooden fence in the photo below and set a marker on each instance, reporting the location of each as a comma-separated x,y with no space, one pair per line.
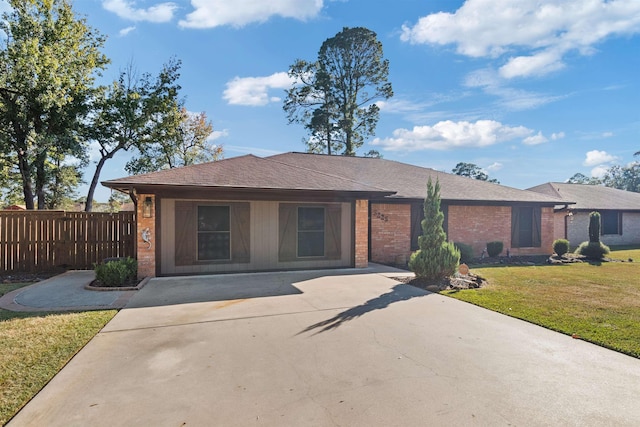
40,241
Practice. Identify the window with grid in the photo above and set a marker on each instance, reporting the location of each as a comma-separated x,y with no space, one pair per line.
214,233
310,231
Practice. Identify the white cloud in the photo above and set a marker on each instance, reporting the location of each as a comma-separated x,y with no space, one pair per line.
607,134
537,34
596,157
447,135
496,166
536,139
126,9
254,91
493,84
217,134
215,13
599,171
123,32
556,136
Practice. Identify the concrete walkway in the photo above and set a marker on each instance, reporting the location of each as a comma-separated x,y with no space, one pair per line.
64,292
325,349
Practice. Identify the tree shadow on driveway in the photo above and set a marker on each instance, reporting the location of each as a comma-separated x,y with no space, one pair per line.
399,292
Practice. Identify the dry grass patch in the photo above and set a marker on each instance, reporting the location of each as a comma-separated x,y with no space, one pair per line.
598,303
34,347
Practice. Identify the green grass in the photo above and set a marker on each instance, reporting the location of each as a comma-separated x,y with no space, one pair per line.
598,303
35,346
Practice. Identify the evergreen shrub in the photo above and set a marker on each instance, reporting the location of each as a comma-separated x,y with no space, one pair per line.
561,246
494,248
121,272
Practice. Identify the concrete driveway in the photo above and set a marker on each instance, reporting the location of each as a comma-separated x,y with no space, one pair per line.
337,348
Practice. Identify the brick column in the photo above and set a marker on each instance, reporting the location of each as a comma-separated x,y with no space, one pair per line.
361,233
146,239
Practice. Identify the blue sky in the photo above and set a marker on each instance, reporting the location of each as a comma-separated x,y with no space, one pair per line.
530,90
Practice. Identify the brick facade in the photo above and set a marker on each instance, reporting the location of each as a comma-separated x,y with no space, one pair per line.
146,227
477,225
390,233
361,233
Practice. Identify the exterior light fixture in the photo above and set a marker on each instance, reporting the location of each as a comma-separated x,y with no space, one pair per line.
147,207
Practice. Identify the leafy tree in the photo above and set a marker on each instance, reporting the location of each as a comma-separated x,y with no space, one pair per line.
133,113
49,61
185,145
579,178
471,170
374,154
623,177
334,96
63,179
116,200
436,258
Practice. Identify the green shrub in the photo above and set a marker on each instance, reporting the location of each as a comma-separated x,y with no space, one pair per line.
593,250
494,248
561,246
436,258
435,263
119,272
466,252
594,227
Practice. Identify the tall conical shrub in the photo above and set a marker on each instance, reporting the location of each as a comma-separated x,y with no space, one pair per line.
594,227
436,257
593,249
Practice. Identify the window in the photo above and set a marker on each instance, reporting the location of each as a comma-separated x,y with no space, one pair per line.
417,215
310,231
611,222
525,227
214,233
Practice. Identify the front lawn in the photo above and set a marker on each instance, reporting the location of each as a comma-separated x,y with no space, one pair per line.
597,303
35,346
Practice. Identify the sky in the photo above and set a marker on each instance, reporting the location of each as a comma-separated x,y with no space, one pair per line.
531,91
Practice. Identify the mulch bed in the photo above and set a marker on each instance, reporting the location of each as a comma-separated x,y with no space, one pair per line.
457,282
26,277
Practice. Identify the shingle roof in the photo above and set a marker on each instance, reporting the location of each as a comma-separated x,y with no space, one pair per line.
247,172
317,172
591,197
409,181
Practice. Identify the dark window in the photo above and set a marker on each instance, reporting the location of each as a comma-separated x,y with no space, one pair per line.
214,233
611,222
525,227
310,231
417,215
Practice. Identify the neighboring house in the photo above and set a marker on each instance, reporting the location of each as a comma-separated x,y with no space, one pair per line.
300,211
619,212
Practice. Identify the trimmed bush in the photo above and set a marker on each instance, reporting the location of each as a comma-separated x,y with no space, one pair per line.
121,272
593,250
594,227
494,248
436,258
561,246
466,252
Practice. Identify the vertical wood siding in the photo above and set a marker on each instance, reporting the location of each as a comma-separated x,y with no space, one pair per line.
264,241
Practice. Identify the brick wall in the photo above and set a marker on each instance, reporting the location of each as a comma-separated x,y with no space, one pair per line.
361,233
477,225
390,233
146,254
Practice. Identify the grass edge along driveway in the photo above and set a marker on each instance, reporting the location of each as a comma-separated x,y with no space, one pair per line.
34,347
597,303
